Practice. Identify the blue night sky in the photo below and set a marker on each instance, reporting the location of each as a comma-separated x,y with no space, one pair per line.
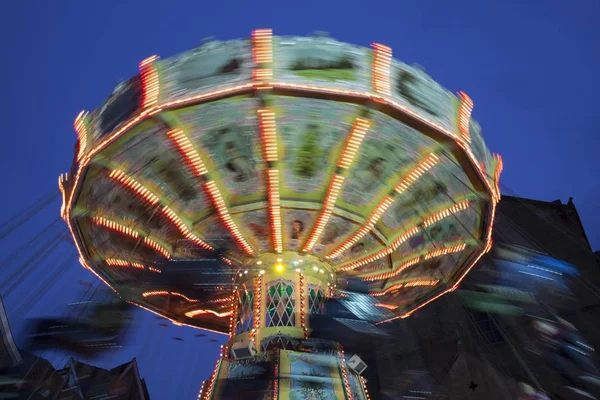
530,66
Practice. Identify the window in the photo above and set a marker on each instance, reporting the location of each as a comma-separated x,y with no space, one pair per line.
281,303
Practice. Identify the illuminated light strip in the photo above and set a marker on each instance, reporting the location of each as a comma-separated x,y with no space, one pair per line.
276,377
157,247
262,46
185,231
382,60
150,82
421,283
497,172
152,269
166,293
234,315
190,154
353,142
257,300
445,250
211,382
82,134
464,115
134,186
446,212
404,285
328,204
221,300
219,203
268,132
62,178
423,166
302,304
386,305
395,272
152,199
342,358
115,262
85,265
382,253
262,74
275,208
411,177
116,227
364,385
194,313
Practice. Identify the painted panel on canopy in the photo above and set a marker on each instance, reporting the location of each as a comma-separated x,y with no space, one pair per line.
413,88
322,62
389,148
380,265
461,227
213,232
312,376
311,133
227,135
440,187
212,66
296,226
147,154
367,245
257,228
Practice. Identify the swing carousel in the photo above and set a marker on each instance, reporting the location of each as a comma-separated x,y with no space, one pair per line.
238,186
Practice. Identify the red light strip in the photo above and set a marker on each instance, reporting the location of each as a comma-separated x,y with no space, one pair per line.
219,204
82,134
382,60
116,227
262,46
332,192
157,247
134,186
396,271
353,142
62,178
191,156
446,212
150,82
445,250
464,115
425,165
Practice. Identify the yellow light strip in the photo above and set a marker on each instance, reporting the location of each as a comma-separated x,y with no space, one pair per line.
82,134
464,115
395,272
425,165
116,227
382,60
446,212
219,203
150,82
411,177
190,154
330,199
262,46
353,142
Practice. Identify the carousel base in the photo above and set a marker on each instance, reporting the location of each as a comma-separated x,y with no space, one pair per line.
314,369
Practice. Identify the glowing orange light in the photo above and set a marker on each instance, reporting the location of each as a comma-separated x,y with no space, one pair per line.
188,152
166,253
219,204
334,188
134,186
257,300
150,82
116,227
440,215
266,120
425,165
262,74
274,207
262,46
421,283
497,172
183,228
396,271
82,134
62,178
347,387
386,305
464,115
194,313
445,250
382,59
166,293
353,142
